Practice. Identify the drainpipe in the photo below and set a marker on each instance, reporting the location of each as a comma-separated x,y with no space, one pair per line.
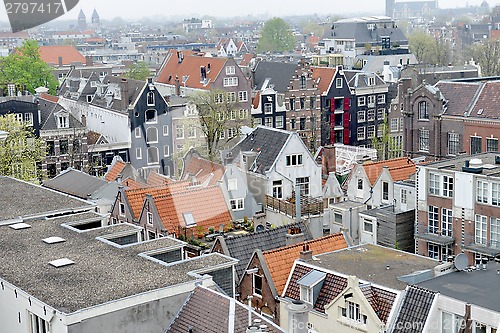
350,222
298,211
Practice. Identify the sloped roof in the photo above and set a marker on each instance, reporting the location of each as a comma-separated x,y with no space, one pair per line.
399,168
48,109
135,87
242,247
189,68
201,168
415,308
247,58
256,100
280,74
267,142
324,77
155,179
380,300
488,102
460,96
69,54
280,261
136,197
208,311
48,97
114,171
74,182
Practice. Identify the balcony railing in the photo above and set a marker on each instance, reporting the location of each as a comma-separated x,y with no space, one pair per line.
308,206
434,234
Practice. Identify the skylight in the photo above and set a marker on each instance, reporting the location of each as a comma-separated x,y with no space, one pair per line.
54,240
19,226
61,262
189,219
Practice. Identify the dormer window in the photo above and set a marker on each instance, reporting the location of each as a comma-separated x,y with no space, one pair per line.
310,285
62,121
151,98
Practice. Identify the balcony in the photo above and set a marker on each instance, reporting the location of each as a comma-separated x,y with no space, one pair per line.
485,247
309,206
434,235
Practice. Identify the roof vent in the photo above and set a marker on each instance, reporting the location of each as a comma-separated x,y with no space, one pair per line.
473,166
61,262
19,226
53,240
480,111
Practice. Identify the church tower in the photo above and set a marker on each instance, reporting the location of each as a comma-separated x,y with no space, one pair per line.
389,8
82,21
95,18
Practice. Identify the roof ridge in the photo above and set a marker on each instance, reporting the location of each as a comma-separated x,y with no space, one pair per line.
185,192
313,241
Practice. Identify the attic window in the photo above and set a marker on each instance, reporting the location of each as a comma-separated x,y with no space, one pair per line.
61,262
189,219
19,226
62,121
151,98
53,240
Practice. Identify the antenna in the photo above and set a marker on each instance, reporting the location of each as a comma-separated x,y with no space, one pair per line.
461,261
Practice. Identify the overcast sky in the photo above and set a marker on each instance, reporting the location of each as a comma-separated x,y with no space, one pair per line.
135,9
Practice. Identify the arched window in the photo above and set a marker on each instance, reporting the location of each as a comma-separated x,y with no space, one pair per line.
153,155
360,184
151,135
151,116
302,81
423,111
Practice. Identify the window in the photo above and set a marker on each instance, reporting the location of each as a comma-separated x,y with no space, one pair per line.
361,132
448,186
62,121
137,132
219,98
231,133
481,229
222,134
371,101
338,218
278,189
292,103
495,232
302,123
257,285
28,119
191,131
122,209
242,96
37,324
302,102
268,121
150,218
446,222
236,204
385,191
434,184
303,82
453,143
360,184
368,226
433,219
491,144
371,81
293,124
151,135
380,99
361,116
476,143
279,122
166,151
362,101
380,114
151,98
380,130
63,147
231,97
230,70
232,184
243,114
306,294
153,155
179,131
371,115
303,183
311,102
394,124
424,140
371,131
294,159
495,194
482,191
230,81
353,311
165,130
433,251
268,108
404,196
138,153
151,116
338,83
423,112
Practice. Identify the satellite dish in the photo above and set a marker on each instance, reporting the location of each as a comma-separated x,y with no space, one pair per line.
461,262
259,228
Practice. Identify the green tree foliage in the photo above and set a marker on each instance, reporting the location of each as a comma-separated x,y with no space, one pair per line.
276,36
20,151
138,71
429,50
24,67
313,28
487,55
387,146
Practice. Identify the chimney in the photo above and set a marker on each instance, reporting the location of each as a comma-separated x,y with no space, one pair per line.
180,57
294,236
328,160
60,61
84,120
298,316
124,93
88,61
177,86
203,73
306,254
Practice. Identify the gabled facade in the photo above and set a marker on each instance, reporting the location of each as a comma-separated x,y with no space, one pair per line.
268,107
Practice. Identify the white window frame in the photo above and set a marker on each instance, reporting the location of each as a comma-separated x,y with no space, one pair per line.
137,132
433,219
149,218
237,204
453,143
371,101
279,121
480,229
339,83
446,222
306,294
230,81
243,96
232,184
361,116
230,70
424,140
150,99
255,290
361,101
179,131
294,160
394,125
165,130
495,232
138,153
381,99
166,150
38,324
482,188
361,133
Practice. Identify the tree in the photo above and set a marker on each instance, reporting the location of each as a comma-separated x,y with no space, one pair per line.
487,55
138,71
387,146
313,28
20,151
218,116
24,67
429,50
276,36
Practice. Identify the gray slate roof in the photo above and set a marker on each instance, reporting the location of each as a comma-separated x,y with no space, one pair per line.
280,74
266,142
77,183
242,247
49,121
415,308
113,82
208,311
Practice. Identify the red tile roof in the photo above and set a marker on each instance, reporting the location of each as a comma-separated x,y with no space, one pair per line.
459,95
115,170
50,98
190,67
399,168
324,77
155,179
488,102
202,168
280,261
136,197
69,54
247,58
256,100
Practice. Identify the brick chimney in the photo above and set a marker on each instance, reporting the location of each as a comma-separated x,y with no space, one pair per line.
294,236
88,61
328,161
306,254
60,61
177,86
124,93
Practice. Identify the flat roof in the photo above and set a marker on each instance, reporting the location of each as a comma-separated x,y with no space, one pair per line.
369,262
22,199
101,272
456,164
475,287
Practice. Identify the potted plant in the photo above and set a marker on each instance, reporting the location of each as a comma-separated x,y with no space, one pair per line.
200,234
